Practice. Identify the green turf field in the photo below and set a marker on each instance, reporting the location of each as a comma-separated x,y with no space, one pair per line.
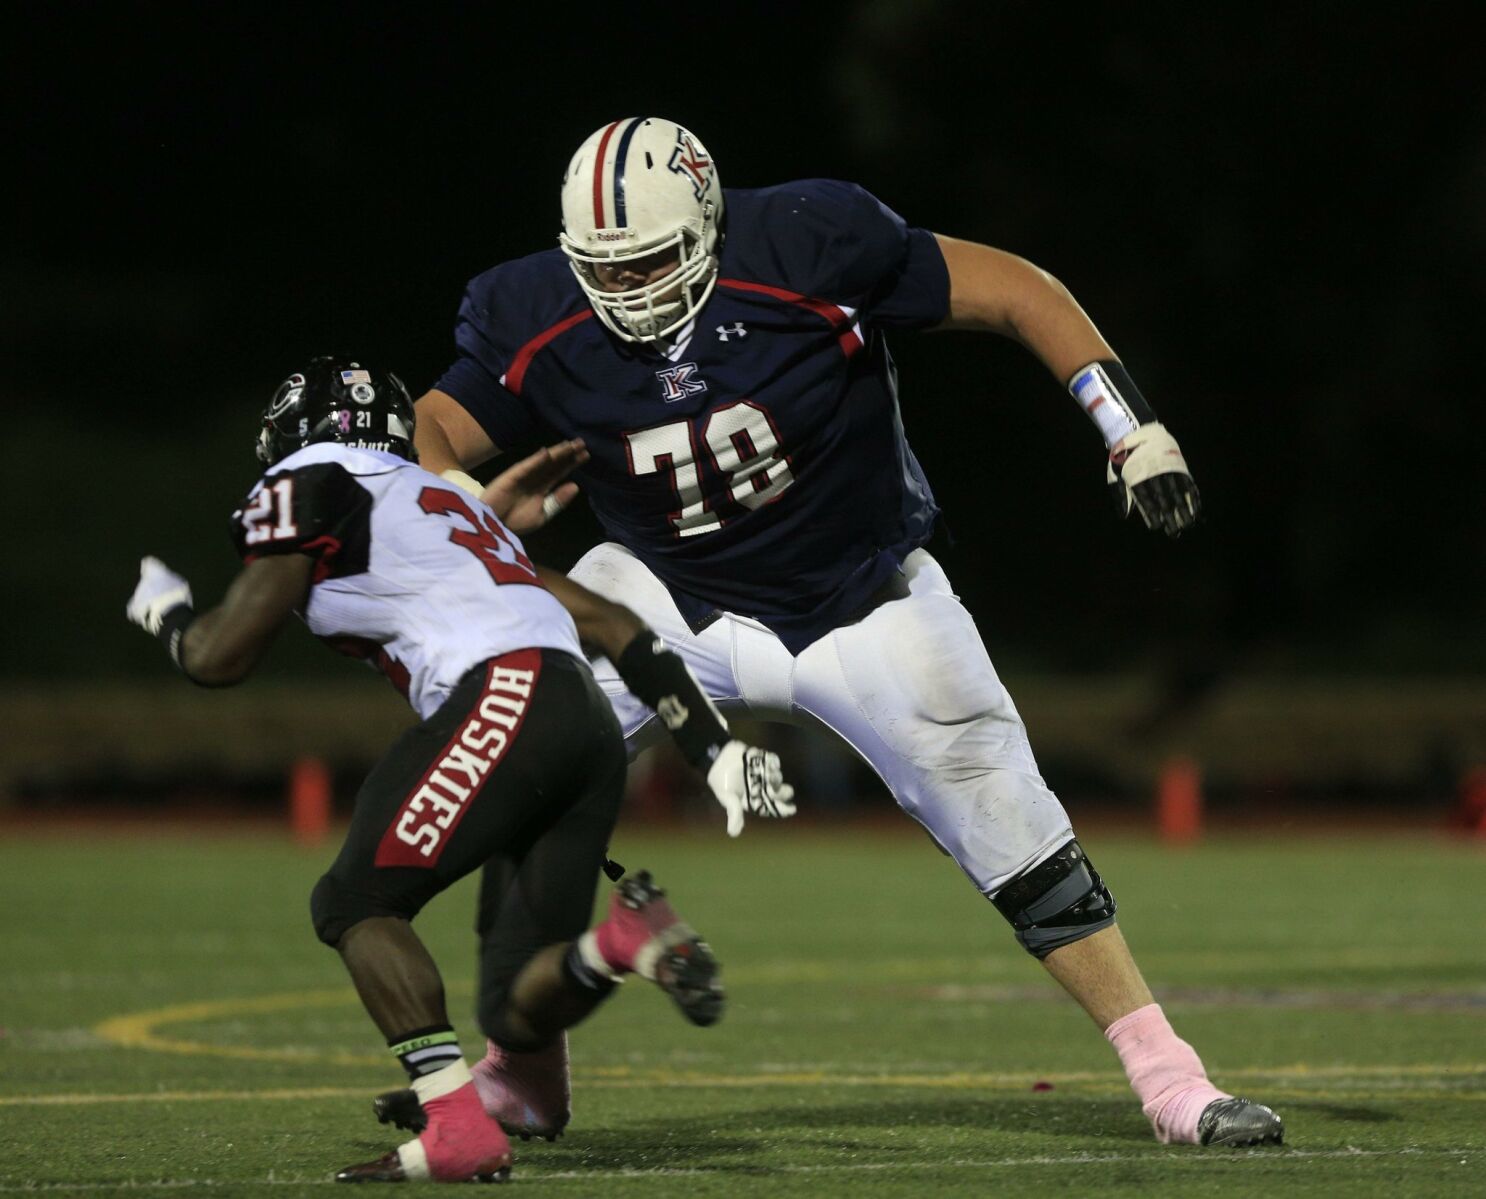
167,1021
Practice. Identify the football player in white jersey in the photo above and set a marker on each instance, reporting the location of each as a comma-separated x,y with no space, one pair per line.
516,767
723,356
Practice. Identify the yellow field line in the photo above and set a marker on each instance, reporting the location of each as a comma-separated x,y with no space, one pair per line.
137,1030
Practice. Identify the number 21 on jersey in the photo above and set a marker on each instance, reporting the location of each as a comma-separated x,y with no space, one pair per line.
270,515
744,446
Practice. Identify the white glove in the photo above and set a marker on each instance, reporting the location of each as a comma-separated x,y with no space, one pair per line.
748,779
159,590
1148,473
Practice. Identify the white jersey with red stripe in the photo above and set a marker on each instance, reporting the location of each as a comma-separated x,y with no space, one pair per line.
412,574
757,465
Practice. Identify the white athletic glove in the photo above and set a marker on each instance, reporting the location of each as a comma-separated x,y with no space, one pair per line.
1148,473
748,779
159,590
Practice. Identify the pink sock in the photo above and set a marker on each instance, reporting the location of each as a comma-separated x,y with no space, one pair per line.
1164,1071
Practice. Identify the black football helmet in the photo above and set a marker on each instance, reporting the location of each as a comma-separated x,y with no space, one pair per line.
336,399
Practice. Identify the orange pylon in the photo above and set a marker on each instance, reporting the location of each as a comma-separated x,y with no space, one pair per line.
1179,802
309,800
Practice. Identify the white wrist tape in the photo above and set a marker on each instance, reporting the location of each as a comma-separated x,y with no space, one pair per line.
1098,396
467,482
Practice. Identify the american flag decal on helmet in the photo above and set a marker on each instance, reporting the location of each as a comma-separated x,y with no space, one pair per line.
691,160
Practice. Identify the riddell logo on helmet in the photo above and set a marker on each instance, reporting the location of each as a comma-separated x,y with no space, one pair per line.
605,235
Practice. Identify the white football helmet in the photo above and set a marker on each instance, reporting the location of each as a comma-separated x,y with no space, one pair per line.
635,188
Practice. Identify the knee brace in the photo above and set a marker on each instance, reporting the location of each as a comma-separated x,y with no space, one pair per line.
1057,902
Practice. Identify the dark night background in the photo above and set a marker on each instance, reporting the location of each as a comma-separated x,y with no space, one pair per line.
1277,219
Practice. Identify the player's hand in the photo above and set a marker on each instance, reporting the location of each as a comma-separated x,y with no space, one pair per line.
526,496
747,779
1148,473
158,591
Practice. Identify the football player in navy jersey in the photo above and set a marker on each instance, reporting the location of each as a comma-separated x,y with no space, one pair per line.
722,354
515,769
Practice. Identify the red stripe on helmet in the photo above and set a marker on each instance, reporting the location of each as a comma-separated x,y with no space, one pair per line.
598,175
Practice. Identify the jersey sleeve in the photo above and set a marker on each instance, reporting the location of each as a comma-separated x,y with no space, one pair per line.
317,509
865,256
474,379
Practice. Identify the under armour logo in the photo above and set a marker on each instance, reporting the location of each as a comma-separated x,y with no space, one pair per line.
676,382
737,330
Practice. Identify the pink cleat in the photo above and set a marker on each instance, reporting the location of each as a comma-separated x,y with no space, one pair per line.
459,1144
643,935
531,1094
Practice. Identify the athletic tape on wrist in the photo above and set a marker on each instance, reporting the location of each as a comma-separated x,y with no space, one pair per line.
465,482
1105,391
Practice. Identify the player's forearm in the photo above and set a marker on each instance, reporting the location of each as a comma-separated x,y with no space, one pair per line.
602,624
213,653
999,292
447,437
435,452
221,646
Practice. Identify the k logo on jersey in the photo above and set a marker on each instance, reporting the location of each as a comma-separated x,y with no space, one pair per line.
691,160
677,382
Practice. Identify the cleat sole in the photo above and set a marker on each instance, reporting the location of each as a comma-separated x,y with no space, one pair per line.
688,973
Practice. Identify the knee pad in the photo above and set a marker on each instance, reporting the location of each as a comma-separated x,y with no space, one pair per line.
1057,902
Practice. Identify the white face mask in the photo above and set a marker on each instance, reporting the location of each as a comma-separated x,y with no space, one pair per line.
651,310
638,188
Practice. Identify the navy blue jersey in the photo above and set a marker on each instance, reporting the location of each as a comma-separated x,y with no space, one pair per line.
758,466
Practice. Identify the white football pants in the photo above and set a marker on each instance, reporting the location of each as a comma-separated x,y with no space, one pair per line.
909,687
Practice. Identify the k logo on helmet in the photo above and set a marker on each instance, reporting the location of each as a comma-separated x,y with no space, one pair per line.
690,160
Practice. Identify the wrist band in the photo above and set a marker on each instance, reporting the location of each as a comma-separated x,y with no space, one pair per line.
172,633
1106,392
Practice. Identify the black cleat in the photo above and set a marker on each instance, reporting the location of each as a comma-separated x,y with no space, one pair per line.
688,973
1238,1122
401,1109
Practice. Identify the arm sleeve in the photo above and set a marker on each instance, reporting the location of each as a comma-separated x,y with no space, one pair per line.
474,379
319,510
662,681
